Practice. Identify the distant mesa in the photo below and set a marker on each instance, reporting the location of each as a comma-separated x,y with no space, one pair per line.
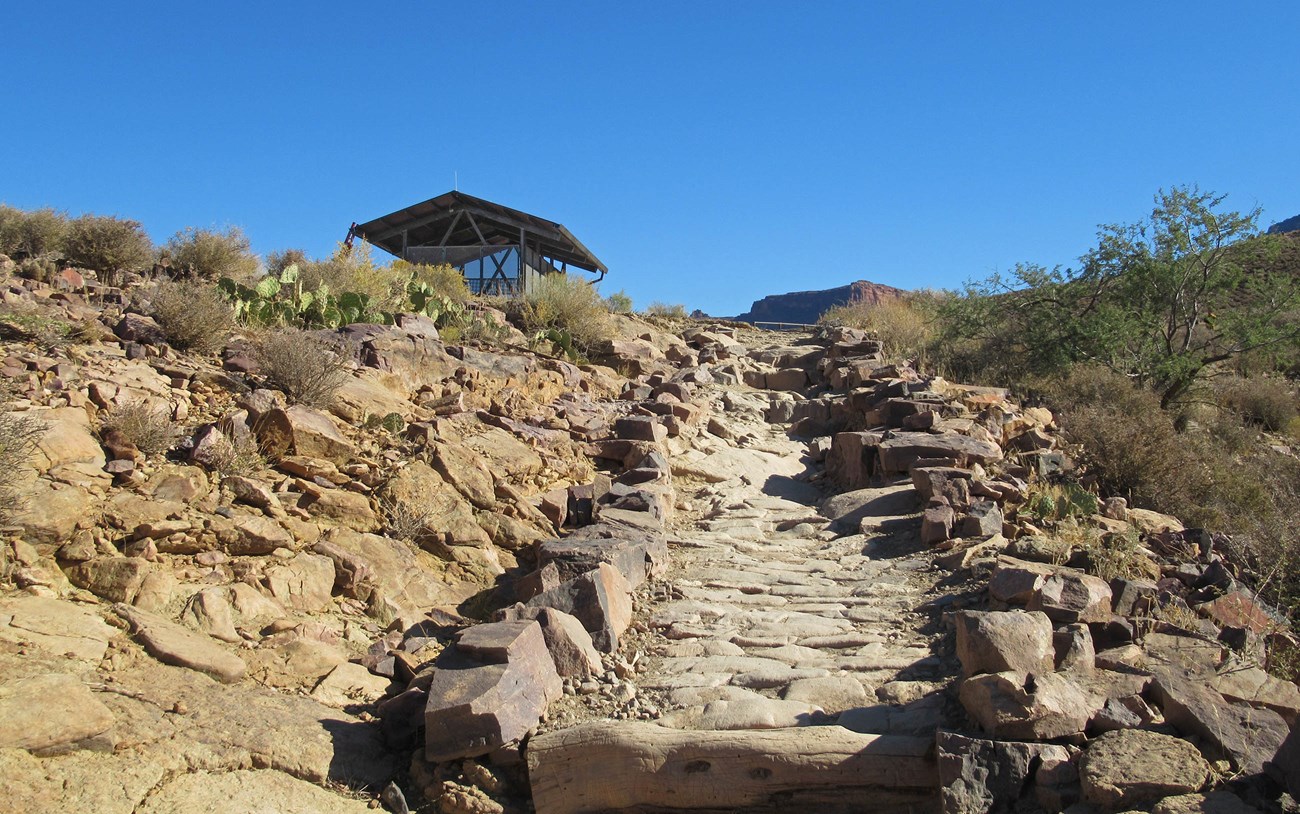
1291,224
807,306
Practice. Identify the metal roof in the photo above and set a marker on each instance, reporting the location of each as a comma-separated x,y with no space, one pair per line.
441,221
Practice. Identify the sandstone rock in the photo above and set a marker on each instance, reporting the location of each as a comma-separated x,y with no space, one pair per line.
417,491
343,508
304,583
49,513
466,471
983,519
209,611
1244,735
1020,706
489,690
1216,802
636,554
568,641
751,712
349,684
640,428
117,579
302,431
991,777
901,449
601,599
1004,641
788,378
1253,686
509,455
246,534
1284,766
1073,596
1074,649
55,626
1015,581
172,644
48,712
1128,767
937,523
246,790
67,440
404,575
830,693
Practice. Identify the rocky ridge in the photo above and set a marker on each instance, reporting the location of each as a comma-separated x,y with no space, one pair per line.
752,576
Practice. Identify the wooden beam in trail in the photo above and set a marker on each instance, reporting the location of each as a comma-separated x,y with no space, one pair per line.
644,768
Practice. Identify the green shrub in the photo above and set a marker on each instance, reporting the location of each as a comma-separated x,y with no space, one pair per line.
149,427
354,270
619,303
1266,402
31,234
567,305
308,369
19,435
107,245
205,254
193,316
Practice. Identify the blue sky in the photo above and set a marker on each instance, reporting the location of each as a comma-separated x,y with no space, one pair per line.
709,152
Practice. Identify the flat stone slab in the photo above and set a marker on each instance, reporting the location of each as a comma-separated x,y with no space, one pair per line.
172,644
56,626
46,712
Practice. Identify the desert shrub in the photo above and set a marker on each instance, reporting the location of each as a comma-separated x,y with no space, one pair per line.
1266,402
107,245
149,427
277,262
1127,442
235,457
1118,556
443,280
33,324
206,254
904,325
568,306
666,310
19,435
1058,501
354,270
193,317
31,234
308,369
619,303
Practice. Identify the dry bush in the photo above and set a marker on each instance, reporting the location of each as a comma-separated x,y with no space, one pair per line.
31,234
150,428
19,435
277,262
192,316
308,369
205,254
666,310
235,457
404,521
1266,402
107,245
355,270
568,304
904,325
1129,444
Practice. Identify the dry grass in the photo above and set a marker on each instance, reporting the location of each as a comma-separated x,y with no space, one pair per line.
308,369
150,428
19,435
904,325
192,316
571,305
235,457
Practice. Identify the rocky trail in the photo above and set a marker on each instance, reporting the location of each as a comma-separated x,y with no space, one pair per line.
722,570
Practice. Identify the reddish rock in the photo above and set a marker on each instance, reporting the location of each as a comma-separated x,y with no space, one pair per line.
489,690
302,431
1000,641
601,599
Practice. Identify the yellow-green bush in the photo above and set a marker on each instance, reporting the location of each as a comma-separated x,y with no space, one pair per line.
31,234
193,316
444,279
904,325
567,304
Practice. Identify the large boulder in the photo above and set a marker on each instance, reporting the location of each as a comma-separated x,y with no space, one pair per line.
172,644
490,689
1128,767
979,776
1026,706
601,599
117,579
1000,641
902,449
302,431
49,712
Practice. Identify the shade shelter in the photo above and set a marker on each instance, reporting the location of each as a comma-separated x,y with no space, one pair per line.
500,250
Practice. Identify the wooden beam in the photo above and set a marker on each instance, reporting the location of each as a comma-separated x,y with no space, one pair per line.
641,767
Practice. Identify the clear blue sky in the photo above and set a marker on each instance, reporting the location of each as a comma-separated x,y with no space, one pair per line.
708,152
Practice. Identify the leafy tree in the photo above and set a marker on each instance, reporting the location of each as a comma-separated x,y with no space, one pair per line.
1162,301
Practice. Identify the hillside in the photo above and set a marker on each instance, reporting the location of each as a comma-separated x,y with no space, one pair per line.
481,579
804,307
